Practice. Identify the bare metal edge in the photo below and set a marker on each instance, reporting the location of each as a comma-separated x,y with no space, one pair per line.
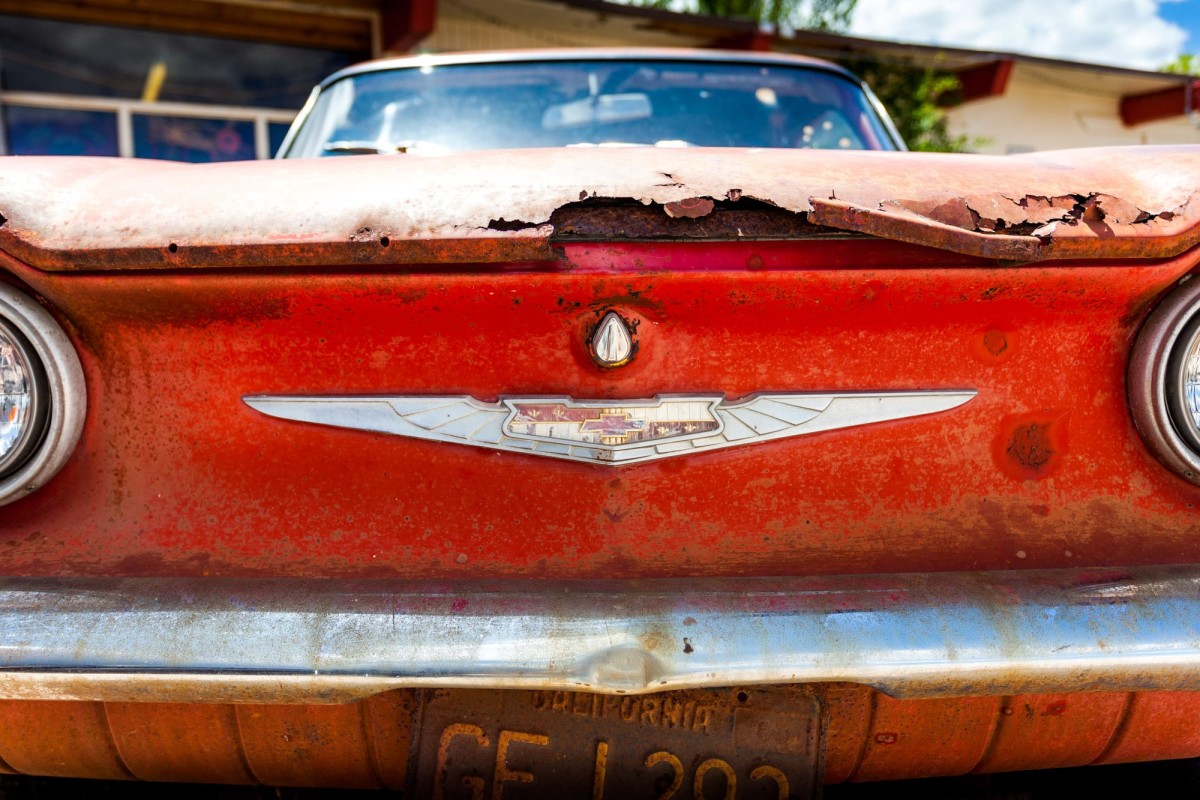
917,635
1149,381
381,414
68,394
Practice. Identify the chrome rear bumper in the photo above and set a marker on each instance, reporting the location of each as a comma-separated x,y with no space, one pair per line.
324,640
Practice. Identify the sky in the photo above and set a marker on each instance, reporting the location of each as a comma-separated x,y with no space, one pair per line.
1144,34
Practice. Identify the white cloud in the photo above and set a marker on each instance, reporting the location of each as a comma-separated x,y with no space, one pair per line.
1122,32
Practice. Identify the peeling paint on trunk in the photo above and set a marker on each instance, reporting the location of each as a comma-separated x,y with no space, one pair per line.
473,208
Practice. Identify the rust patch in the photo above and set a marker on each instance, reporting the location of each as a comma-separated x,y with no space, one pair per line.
993,346
744,218
1031,448
615,514
691,207
1029,214
995,343
1030,227
950,212
631,298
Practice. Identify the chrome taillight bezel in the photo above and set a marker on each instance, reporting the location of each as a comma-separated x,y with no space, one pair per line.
60,394
29,371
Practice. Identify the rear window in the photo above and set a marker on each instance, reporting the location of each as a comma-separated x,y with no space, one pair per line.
589,104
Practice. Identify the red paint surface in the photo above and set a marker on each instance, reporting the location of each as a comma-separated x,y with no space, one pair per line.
176,476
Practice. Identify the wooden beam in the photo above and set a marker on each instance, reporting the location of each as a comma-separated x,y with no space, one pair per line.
1138,109
405,23
280,25
984,80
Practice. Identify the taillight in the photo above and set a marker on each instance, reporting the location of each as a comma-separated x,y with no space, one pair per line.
42,396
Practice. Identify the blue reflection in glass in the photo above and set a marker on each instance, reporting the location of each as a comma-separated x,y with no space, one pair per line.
275,133
59,132
195,140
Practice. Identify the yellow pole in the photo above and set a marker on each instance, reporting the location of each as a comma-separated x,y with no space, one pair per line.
154,81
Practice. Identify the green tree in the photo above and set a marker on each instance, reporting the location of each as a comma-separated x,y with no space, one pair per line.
916,98
1184,64
914,95
821,15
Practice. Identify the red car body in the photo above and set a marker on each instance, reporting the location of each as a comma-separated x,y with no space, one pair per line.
1027,280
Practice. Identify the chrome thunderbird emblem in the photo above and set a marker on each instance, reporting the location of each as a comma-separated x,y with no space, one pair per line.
613,432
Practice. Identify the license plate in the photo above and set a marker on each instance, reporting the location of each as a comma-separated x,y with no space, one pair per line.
534,745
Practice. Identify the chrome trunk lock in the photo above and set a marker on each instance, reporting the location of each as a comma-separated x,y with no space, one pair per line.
611,344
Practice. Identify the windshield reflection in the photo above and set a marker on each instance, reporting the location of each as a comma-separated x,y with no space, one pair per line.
435,110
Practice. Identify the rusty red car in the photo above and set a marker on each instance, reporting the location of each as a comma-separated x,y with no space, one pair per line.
611,424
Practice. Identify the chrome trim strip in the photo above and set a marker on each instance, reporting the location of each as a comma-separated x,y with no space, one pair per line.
461,419
908,635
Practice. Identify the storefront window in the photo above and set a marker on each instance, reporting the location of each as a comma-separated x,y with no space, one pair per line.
41,55
275,133
82,89
59,132
183,139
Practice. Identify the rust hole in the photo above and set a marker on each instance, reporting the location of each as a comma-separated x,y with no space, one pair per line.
384,241
512,224
173,248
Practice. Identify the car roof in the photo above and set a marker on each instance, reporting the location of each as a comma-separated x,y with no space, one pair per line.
589,54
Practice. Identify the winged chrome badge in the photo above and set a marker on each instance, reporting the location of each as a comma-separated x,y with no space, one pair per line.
613,432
